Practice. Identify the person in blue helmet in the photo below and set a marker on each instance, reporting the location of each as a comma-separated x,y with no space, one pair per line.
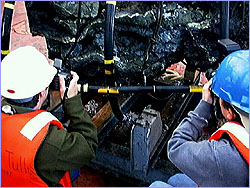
223,159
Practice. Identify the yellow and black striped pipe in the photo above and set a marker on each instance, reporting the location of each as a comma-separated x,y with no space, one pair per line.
133,89
109,61
6,27
109,42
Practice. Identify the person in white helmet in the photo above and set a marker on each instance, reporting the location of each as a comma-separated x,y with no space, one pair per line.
36,150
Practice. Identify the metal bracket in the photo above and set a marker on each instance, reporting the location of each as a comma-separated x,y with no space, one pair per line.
144,136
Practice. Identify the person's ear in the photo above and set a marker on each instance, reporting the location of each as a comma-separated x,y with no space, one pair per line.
41,99
230,115
43,93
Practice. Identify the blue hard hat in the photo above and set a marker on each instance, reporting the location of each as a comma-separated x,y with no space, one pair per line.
231,80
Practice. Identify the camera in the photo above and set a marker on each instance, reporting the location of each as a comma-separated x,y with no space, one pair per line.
60,72
210,73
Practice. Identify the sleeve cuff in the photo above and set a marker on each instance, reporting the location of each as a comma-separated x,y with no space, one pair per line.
73,105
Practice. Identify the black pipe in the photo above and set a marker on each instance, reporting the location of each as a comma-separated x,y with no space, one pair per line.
108,57
6,27
126,89
225,19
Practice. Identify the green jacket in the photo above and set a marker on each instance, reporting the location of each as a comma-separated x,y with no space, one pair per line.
65,150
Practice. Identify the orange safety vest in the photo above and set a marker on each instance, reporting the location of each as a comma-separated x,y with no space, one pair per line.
238,135
21,136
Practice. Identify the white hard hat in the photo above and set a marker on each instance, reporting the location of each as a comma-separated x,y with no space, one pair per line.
25,72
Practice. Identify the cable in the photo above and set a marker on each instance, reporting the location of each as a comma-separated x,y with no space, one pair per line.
160,99
155,32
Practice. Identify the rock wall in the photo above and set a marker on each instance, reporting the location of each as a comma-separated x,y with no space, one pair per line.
149,36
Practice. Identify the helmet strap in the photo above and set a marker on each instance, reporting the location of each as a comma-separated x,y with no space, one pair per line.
65,96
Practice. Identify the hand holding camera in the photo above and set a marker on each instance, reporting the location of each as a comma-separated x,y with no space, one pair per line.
64,81
72,87
207,95
206,92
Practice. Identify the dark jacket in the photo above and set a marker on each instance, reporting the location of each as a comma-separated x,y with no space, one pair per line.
65,150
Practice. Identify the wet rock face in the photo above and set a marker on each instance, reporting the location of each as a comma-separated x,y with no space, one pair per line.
149,36
69,9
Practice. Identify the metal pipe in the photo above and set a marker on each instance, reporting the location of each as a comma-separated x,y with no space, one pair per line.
225,19
135,89
6,27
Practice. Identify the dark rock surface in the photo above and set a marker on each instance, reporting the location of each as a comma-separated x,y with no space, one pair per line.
149,36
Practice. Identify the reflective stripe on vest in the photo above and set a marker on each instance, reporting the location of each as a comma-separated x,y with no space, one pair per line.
238,135
35,125
21,136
